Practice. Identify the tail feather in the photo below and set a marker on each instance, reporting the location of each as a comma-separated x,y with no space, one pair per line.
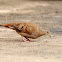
1,25
8,26
5,26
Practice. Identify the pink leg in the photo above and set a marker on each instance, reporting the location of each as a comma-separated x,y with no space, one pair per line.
24,40
30,40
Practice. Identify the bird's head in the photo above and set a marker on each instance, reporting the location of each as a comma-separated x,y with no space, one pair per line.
47,33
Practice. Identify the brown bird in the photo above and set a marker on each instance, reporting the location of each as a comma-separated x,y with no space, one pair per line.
27,30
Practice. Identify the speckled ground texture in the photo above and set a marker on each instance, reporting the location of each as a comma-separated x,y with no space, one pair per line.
48,14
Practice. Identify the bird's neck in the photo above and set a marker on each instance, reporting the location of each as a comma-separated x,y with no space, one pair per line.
42,33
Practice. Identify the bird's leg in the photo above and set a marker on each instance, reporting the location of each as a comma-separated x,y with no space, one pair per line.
24,40
28,39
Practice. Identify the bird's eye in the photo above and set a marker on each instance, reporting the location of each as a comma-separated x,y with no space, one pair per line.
47,32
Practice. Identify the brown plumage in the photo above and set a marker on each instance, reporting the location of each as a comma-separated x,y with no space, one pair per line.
27,30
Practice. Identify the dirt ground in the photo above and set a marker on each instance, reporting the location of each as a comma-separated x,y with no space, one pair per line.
48,14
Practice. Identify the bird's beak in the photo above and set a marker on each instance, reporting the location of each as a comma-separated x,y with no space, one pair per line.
49,35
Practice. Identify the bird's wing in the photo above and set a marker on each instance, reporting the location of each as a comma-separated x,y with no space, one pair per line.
16,28
25,28
23,31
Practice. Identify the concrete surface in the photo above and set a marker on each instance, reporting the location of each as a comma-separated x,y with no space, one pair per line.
48,15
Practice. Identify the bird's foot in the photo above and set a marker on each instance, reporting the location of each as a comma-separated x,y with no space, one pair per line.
24,40
29,40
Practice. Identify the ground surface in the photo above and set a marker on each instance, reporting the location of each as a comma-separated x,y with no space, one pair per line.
48,15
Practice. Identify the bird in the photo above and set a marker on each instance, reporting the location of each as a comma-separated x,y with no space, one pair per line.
27,30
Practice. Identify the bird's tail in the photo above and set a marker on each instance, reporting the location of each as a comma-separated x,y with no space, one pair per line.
11,25
0,25
6,25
